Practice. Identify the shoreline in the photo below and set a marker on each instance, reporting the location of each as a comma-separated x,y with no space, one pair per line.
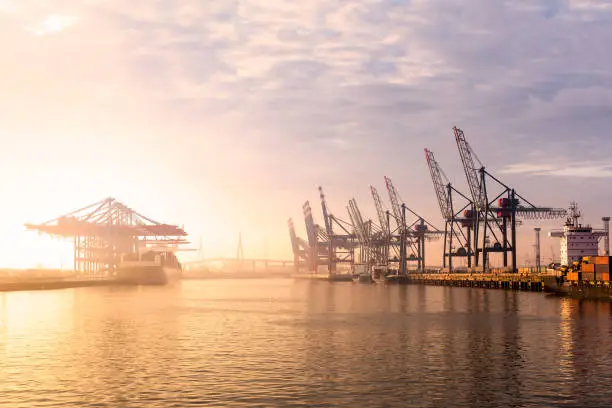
36,285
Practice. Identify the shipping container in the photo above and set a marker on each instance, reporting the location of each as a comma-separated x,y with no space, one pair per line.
599,268
588,276
602,260
605,277
572,276
587,267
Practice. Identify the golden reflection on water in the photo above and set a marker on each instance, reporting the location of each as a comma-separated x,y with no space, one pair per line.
283,342
566,340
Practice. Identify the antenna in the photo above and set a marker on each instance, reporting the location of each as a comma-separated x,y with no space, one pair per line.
606,223
537,248
574,214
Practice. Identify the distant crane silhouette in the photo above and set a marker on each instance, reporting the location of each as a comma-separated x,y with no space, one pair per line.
239,252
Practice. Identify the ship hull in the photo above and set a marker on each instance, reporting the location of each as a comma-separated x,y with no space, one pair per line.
551,284
366,278
583,292
393,279
147,275
340,277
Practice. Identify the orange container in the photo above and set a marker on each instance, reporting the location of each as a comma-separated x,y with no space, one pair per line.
588,276
602,260
603,277
587,267
599,268
572,276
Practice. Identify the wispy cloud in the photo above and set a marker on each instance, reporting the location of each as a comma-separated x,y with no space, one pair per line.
300,93
562,169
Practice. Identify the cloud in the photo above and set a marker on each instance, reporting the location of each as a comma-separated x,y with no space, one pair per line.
296,94
576,169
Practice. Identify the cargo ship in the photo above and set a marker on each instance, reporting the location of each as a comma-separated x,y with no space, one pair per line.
363,274
588,278
149,268
583,273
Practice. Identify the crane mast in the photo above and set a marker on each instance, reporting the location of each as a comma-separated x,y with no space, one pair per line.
458,224
384,237
361,230
470,169
325,213
437,176
414,234
395,203
358,222
382,215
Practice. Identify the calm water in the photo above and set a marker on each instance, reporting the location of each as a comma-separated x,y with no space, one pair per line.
270,343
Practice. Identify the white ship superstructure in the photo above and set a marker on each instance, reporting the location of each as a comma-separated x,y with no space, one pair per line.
578,240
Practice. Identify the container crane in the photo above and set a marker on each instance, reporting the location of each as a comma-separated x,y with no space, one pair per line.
384,236
495,213
363,232
459,224
301,249
380,212
414,234
324,210
317,240
340,247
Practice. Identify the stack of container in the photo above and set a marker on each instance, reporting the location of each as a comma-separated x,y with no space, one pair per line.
592,269
602,268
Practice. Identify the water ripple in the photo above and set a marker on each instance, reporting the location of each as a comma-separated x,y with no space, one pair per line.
280,343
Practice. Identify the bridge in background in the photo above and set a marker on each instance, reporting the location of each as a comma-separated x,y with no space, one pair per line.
237,265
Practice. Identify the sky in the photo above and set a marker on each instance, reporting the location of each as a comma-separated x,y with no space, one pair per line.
225,116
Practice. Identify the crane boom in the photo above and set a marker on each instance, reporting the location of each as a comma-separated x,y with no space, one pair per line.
325,213
438,177
395,202
353,222
311,227
295,246
382,215
469,166
360,227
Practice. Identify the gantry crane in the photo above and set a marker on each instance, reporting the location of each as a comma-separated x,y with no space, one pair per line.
106,231
494,214
317,241
410,234
459,217
301,249
383,236
341,240
363,231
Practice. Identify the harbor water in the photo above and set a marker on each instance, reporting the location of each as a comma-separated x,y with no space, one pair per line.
284,343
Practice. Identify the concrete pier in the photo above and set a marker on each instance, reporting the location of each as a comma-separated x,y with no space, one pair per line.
512,281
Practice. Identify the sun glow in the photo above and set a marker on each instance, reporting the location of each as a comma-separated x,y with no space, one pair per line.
53,23
22,249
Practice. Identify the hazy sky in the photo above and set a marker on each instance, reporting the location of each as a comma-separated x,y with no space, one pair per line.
224,116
